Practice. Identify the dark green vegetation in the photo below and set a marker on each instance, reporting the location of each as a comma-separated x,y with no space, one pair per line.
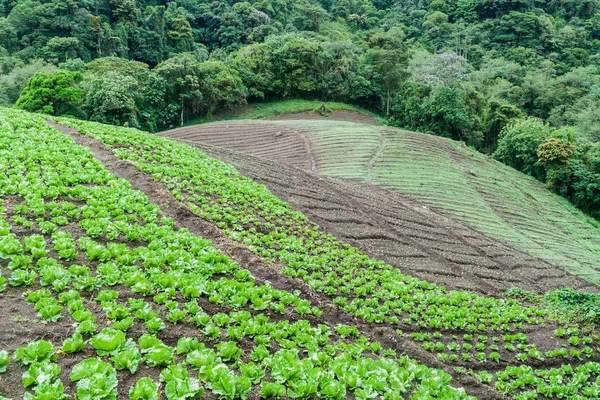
456,68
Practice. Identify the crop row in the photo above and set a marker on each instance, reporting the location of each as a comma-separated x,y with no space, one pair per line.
87,249
441,320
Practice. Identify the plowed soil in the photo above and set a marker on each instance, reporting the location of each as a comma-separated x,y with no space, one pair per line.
286,145
441,217
403,232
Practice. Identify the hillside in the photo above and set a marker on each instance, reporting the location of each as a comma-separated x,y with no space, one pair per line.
452,179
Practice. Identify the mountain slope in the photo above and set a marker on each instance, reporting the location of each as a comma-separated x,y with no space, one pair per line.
449,177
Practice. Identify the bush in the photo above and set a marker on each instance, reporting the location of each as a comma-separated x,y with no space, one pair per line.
56,93
518,145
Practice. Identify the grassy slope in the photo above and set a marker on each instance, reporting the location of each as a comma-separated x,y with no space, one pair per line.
490,197
275,108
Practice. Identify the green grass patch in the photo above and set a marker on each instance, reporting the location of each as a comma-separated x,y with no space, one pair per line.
277,108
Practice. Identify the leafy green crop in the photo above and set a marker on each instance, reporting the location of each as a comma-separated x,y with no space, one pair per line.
128,357
144,389
108,341
178,383
4,361
74,344
121,240
95,380
40,374
39,351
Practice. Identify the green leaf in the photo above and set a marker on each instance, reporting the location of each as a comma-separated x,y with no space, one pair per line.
127,358
4,360
74,344
229,351
159,356
40,373
272,390
108,341
47,391
96,380
144,389
39,351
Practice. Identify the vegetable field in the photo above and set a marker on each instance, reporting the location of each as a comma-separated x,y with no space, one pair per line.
461,183
134,266
115,300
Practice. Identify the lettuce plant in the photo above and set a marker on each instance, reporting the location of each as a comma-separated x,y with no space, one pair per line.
144,389
108,341
95,379
74,344
40,374
129,357
39,351
4,360
178,383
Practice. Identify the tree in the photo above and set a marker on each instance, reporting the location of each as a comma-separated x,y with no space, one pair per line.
554,154
445,113
62,48
201,87
390,65
57,93
519,143
111,99
220,87
445,69
13,83
8,35
182,73
498,115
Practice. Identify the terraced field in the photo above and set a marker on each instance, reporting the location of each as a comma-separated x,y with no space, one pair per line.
458,182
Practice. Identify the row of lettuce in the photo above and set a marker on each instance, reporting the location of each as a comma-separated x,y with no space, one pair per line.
91,252
474,332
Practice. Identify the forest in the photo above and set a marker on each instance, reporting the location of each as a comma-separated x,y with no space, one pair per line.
515,79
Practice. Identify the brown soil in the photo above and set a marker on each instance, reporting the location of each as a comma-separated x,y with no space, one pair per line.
262,271
286,145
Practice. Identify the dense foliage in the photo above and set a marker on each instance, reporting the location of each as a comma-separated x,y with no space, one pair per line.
456,68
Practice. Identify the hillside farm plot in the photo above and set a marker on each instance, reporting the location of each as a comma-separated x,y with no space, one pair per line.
404,233
103,295
450,178
287,145
493,339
